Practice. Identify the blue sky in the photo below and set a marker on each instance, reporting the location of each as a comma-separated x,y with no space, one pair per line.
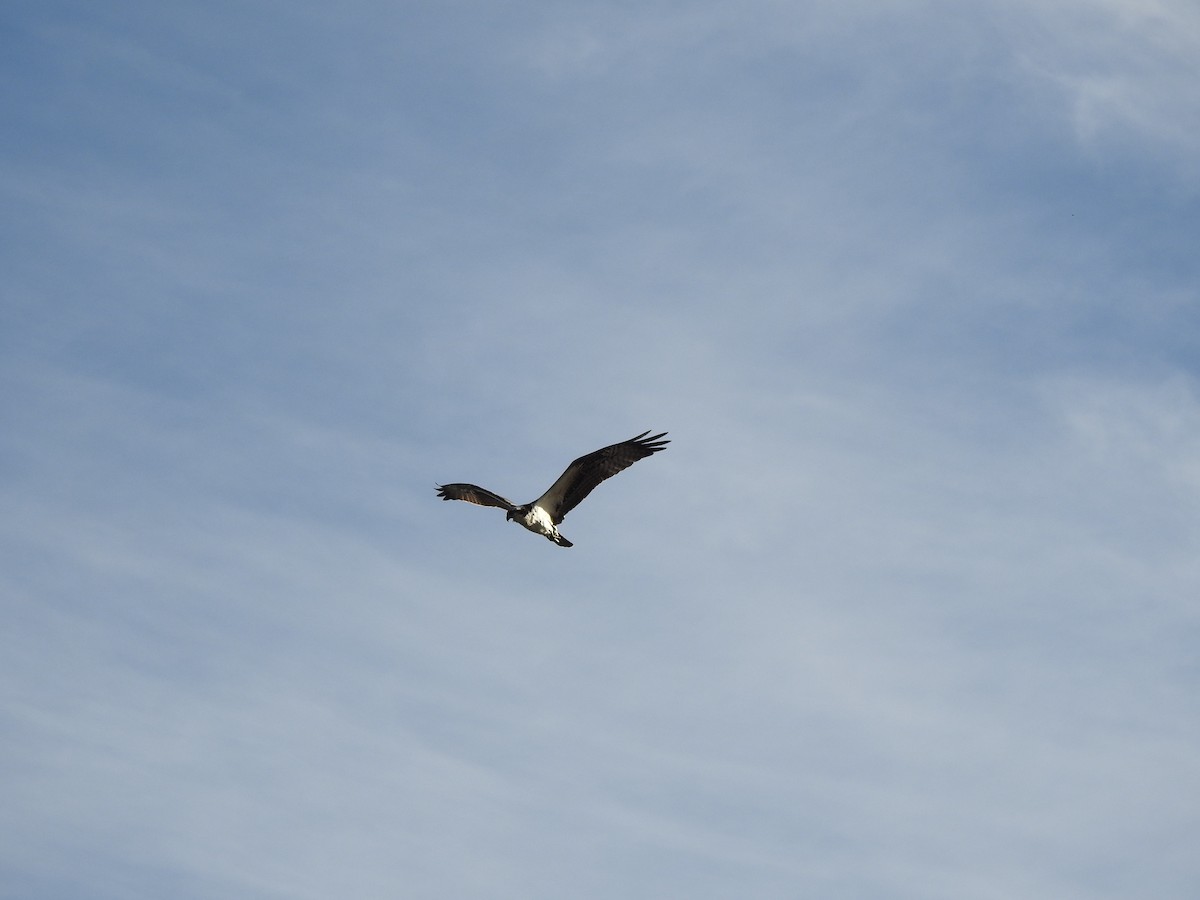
908,609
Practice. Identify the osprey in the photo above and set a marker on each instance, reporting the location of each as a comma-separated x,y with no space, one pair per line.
544,514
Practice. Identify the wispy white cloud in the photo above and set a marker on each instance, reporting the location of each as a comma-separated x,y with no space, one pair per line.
1124,70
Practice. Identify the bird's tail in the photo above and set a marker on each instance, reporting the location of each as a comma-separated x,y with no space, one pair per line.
561,541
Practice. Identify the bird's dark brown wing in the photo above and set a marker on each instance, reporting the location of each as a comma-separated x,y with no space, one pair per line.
582,476
473,493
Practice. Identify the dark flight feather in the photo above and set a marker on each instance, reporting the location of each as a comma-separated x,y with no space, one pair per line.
582,476
473,493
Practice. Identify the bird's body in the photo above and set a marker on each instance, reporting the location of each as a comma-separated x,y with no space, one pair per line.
539,521
544,515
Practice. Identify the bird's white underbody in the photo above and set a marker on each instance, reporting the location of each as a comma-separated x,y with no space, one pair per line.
538,521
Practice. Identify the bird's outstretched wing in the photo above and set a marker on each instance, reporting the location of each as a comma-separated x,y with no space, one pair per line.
473,493
582,476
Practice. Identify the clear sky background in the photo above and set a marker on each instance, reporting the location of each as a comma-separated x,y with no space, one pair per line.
909,608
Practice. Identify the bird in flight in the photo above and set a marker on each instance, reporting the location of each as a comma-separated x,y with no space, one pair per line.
545,514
